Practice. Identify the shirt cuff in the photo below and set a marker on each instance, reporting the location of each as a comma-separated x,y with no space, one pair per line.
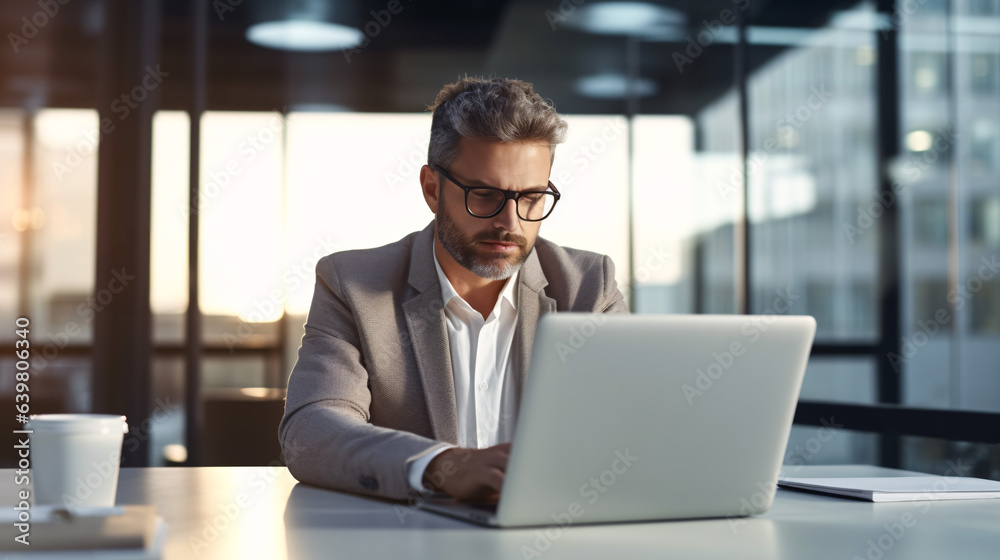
415,470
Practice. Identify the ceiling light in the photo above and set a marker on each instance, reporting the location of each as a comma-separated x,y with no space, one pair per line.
318,108
614,86
629,18
926,78
864,55
919,141
304,35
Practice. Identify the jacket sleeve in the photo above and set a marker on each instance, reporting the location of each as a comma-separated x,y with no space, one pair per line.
612,300
325,435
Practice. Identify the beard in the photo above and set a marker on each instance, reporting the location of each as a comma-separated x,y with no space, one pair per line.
466,252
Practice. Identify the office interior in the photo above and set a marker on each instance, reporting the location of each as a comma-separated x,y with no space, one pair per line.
172,171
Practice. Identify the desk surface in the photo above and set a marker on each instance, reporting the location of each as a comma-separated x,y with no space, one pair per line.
261,512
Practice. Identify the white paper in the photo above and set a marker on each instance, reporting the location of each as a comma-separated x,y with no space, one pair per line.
43,514
905,484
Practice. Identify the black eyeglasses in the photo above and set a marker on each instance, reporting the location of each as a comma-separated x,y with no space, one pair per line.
486,202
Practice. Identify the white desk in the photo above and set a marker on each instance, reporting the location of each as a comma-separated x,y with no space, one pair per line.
263,513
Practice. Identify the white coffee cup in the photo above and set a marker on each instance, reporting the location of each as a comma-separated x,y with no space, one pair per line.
74,458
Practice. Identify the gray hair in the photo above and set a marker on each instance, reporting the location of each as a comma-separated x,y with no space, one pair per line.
501,109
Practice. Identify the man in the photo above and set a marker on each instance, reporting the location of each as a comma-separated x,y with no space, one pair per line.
414,355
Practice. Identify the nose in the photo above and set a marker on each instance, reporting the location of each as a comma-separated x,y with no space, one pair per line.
507,218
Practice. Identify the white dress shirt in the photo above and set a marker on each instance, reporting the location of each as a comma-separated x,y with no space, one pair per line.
483,358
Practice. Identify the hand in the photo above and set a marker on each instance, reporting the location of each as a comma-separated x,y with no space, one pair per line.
469,474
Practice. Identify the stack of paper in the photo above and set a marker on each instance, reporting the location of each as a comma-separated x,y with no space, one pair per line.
125,532
898,489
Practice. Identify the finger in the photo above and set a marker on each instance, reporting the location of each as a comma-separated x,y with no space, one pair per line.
493,478
503,449
494,497
496,460
482,494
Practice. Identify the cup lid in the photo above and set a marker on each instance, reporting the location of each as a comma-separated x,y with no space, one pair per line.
74,423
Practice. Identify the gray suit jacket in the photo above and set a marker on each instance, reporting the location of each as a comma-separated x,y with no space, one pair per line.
373,388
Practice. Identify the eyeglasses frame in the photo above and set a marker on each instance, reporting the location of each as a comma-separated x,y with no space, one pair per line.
507,195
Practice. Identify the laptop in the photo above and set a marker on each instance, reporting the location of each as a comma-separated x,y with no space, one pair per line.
649,417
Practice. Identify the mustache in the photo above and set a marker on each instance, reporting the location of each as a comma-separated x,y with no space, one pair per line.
505,237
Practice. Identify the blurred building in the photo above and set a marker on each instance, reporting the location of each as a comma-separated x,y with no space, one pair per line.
836,159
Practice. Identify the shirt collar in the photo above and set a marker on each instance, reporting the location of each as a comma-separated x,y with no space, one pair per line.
508,294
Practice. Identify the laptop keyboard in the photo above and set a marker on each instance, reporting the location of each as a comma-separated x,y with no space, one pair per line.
487,506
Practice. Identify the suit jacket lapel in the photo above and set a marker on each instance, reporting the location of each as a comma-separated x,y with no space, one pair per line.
531,304
425,320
